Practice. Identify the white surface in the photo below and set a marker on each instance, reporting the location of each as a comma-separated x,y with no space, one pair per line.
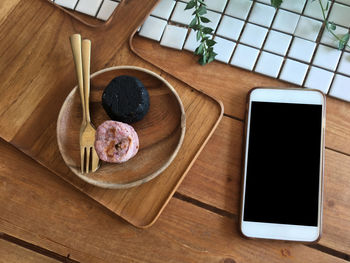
319,79
344,64
89,7
302,49
174,36
308,28
244,57
277,42
253,35
216,5
153,28
326,57
239,8
280,231
269,64
294,72
164,9
313,9
297,96
294,5
67,3
106,9
340,14
329,39
224,49
191,42
180,15
341,87
230,27
214,19
285,21
262,14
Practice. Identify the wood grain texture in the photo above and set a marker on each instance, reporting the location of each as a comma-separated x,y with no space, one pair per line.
216,181
71,223
28,114
231,85
6,6
160,132
12,253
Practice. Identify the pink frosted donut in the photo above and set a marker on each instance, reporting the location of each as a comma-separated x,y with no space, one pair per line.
116,142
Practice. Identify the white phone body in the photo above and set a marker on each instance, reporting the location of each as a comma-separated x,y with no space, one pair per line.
267,203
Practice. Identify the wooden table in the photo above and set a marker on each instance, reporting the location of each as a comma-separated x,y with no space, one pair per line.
45,219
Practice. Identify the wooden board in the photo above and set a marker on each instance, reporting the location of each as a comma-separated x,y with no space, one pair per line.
71,223
31,125
12,253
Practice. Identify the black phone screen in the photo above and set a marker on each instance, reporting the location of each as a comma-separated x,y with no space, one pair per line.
283,163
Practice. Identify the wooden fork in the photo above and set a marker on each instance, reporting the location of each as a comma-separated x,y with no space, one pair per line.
89,160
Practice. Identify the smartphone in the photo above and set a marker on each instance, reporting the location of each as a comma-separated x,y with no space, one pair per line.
282,181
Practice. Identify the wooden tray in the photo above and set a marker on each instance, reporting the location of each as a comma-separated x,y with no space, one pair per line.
33,93
142,205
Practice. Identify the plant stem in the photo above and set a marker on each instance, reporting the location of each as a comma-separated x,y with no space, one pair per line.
326,23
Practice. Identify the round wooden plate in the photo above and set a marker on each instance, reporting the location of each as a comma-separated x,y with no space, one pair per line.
161,131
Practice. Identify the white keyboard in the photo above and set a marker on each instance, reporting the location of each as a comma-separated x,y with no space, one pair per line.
289,44
101,9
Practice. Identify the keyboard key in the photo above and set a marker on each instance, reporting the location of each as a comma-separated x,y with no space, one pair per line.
302,49
329,39
253,35
164,9
67,3
277,42
308,28
340,14
216,5
262,14
107,9
269,64
341,87
230,27
214,19
244,57
313,9
294,72
191,42
344,65
294,5
239,8
88,7
174,36
153,28
286,21
319,79
224,49
327,57
180,15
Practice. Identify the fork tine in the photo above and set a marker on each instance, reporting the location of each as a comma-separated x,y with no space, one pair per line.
87,159
82,155
94,160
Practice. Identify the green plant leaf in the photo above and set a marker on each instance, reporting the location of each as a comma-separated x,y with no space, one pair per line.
204,19
207,30
190,4
199,50
193,22
202,10
211,42
343,41
331,25
276,3
198,35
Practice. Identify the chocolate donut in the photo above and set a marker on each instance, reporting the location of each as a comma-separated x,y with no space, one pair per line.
116,142
125,99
